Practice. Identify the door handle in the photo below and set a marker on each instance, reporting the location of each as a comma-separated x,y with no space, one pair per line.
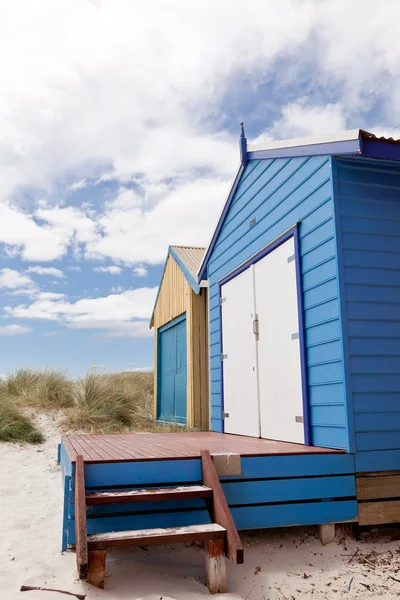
256,330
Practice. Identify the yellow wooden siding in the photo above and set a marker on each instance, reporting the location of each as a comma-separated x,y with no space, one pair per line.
172,298
175,298
200,360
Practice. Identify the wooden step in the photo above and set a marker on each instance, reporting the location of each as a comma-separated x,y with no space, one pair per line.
153,537
149,495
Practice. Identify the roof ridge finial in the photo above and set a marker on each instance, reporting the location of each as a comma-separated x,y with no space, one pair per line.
243,145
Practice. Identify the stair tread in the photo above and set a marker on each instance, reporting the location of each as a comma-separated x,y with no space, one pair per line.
149,494
138,537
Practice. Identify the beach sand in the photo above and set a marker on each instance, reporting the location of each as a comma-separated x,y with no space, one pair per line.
284,564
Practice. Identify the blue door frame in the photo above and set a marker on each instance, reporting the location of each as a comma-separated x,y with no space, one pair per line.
172,371
293,232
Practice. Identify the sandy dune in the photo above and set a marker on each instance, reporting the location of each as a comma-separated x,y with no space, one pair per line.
281,564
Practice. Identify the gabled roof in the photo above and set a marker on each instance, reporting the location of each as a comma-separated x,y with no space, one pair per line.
355,142
188,258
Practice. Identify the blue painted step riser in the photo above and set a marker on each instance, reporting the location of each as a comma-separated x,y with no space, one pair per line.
248,517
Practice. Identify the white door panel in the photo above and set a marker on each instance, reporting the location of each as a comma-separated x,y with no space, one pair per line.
279,366
239,348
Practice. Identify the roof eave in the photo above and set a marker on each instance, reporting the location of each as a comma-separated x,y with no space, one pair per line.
232,190
196,287
330,148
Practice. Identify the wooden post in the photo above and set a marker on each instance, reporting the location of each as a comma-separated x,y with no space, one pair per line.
80,518
97,568
326,533
216,566
220,512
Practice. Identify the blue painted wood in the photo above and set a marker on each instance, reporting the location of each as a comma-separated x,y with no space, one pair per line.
264,480
65,526
283,515
65,463
376,403
288,490
368,200
375,460
307,465
279,193
142,473
257,516
172,371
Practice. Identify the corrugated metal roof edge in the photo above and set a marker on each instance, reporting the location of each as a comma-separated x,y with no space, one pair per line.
313,140
188,276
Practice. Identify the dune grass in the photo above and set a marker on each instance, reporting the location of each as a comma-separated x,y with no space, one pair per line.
100,404
48,389
14,425
96,403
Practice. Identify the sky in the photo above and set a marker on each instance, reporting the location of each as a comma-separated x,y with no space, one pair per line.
119,126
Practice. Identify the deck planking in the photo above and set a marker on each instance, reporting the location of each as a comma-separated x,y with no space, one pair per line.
124,447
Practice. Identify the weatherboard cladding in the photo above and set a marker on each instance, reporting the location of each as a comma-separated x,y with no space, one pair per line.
272,196
368,196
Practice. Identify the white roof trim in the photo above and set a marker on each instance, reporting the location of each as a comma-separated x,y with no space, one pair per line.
343,136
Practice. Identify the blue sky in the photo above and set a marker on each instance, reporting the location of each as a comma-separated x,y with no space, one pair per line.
119,136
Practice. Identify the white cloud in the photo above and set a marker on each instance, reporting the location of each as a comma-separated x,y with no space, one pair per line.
78,185
77,269
112,269
14,330
120,315
52,333
11,279
117,289
184,215
140,272
300,119
63,122
46,271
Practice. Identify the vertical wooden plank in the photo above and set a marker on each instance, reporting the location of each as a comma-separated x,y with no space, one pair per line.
190,367
155,375
220,512
97,568
171,299
204,389
196,359
80,519
326,533
216,567
67,492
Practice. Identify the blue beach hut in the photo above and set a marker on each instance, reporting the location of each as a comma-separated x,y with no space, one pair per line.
304,304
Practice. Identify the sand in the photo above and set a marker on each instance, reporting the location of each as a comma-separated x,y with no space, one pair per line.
282,564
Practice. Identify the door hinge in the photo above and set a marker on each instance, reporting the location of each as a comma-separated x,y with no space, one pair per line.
299,419
291,258
295,336
256,329
224,356
225,415
222,300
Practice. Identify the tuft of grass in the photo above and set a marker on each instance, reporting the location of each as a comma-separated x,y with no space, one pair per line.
101,403
48,389
14,426
21,382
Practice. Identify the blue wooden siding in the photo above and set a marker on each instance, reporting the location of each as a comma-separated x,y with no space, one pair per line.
269,493
275,194
369,207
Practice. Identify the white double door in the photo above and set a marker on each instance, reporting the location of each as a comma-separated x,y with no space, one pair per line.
262,383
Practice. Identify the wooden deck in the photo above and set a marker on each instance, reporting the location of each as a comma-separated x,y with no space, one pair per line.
126,447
